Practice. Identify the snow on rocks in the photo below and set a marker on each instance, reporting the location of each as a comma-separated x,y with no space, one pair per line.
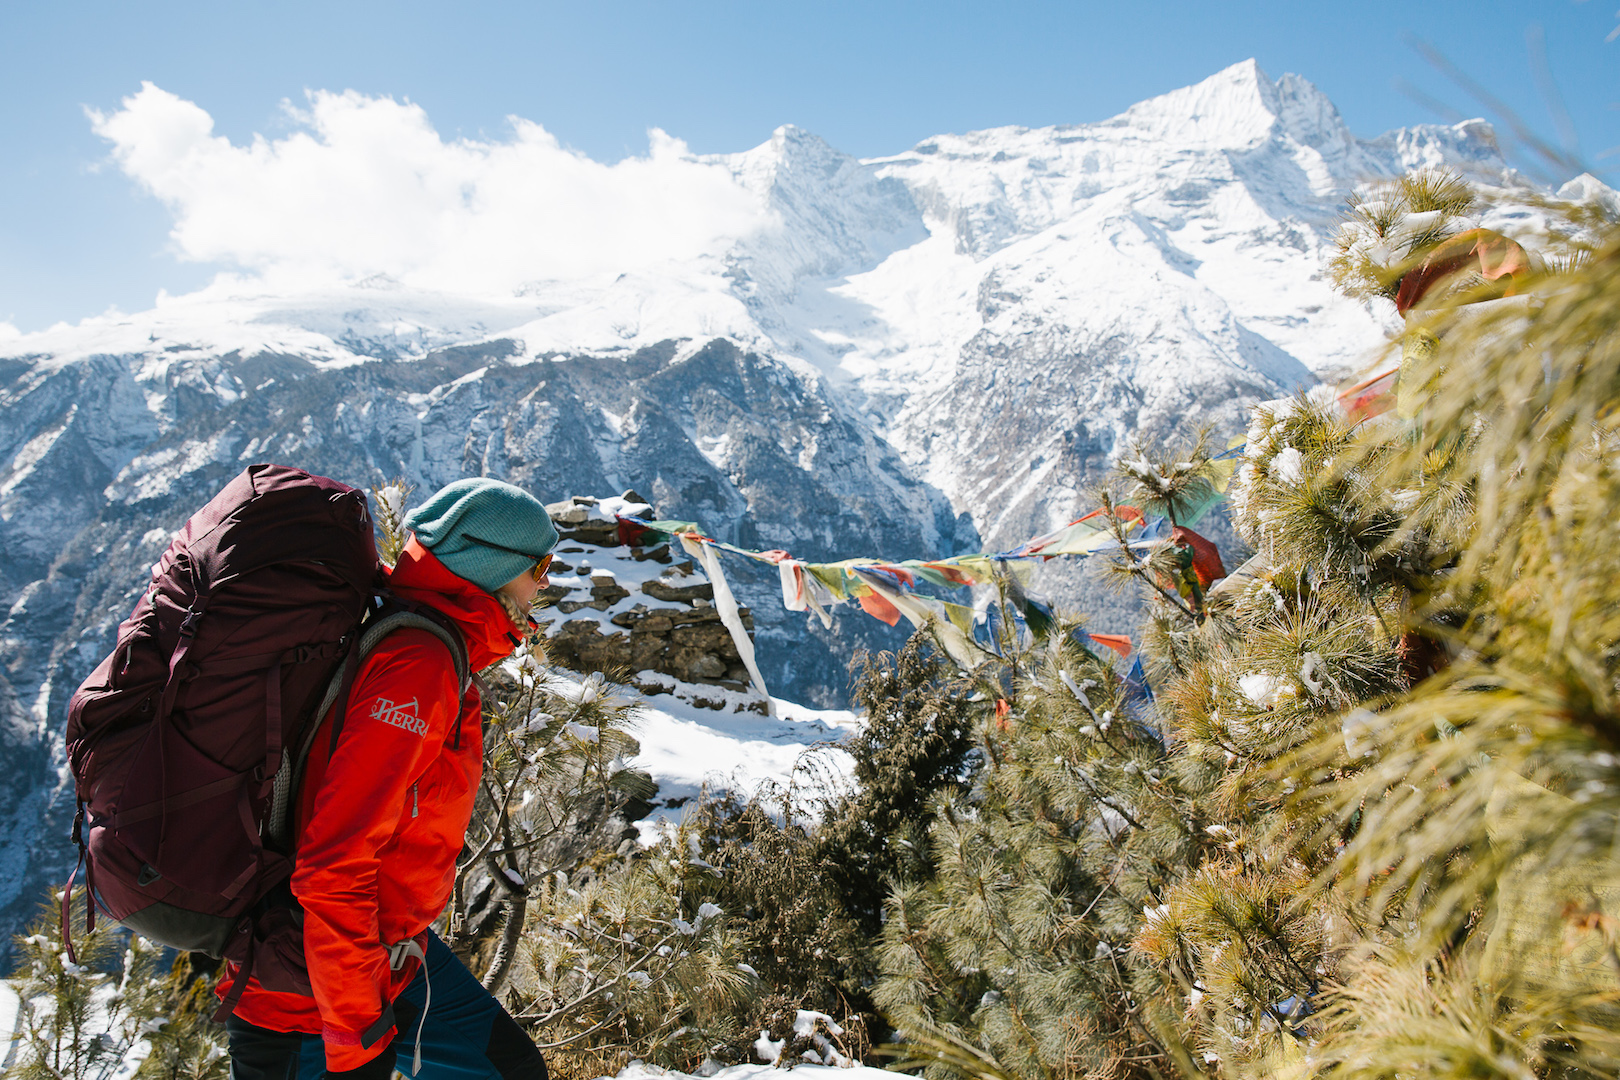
639,608
643,612
804,1037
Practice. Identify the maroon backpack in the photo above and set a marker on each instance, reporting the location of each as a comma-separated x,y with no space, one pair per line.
187,743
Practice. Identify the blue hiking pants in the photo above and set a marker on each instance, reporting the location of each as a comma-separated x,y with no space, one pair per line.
466,1035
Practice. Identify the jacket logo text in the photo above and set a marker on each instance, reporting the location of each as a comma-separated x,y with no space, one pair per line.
402,716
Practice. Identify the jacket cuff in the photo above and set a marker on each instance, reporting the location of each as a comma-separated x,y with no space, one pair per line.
380,1067
346,1050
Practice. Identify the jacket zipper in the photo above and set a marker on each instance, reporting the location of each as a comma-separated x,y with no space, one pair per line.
413,800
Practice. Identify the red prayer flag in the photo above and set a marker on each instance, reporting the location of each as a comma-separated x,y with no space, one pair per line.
1122,511
1003,714
879,608
952,574
1493,255
1372,396
1118,642
1206,556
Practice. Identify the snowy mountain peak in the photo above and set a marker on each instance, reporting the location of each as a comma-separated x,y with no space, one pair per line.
795,147
1235,108
830,214
1307,115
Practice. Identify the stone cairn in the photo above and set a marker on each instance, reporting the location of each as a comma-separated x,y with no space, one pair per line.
669,639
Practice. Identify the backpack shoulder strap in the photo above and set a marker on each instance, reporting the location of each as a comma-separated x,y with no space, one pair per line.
419,617
392,614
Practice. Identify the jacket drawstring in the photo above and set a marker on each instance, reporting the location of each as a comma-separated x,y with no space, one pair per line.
397,955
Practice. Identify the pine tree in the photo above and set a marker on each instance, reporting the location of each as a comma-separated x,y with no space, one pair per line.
183,1041
808,865
69,1018
1380,838
916,739
1390,226
631,958
1410,691
1478,812
748,929
1309,626
1011,960
88,1014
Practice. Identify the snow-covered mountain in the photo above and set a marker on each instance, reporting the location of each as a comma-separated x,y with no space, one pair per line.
912,355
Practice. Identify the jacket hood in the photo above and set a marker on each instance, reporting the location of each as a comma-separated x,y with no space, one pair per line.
488,630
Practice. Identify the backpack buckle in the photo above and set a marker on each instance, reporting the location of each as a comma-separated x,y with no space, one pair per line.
401,951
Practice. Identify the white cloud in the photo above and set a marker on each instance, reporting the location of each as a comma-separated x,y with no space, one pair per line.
366,186
8,332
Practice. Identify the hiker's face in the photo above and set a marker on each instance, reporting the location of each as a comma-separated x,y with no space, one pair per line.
525,587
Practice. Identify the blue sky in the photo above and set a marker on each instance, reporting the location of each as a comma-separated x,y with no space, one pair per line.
871,77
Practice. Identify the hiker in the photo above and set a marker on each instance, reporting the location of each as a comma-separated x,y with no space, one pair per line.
382,815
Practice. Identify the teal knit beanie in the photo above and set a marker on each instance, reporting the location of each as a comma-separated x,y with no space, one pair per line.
484,530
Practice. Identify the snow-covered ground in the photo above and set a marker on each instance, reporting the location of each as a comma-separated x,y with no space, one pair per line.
8,1024
685,747
639,1071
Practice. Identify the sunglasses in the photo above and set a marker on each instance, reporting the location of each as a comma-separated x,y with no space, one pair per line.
537,571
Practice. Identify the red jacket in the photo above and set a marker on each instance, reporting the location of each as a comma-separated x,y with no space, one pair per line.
381,822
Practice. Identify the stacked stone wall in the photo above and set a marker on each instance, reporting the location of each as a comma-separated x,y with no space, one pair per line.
678,635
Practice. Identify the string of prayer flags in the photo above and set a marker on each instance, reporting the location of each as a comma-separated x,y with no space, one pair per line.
1083,536
888,590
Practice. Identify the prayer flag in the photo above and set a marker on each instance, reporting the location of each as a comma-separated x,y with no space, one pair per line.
879,608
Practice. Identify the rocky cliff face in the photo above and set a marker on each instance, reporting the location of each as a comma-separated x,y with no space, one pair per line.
917,355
